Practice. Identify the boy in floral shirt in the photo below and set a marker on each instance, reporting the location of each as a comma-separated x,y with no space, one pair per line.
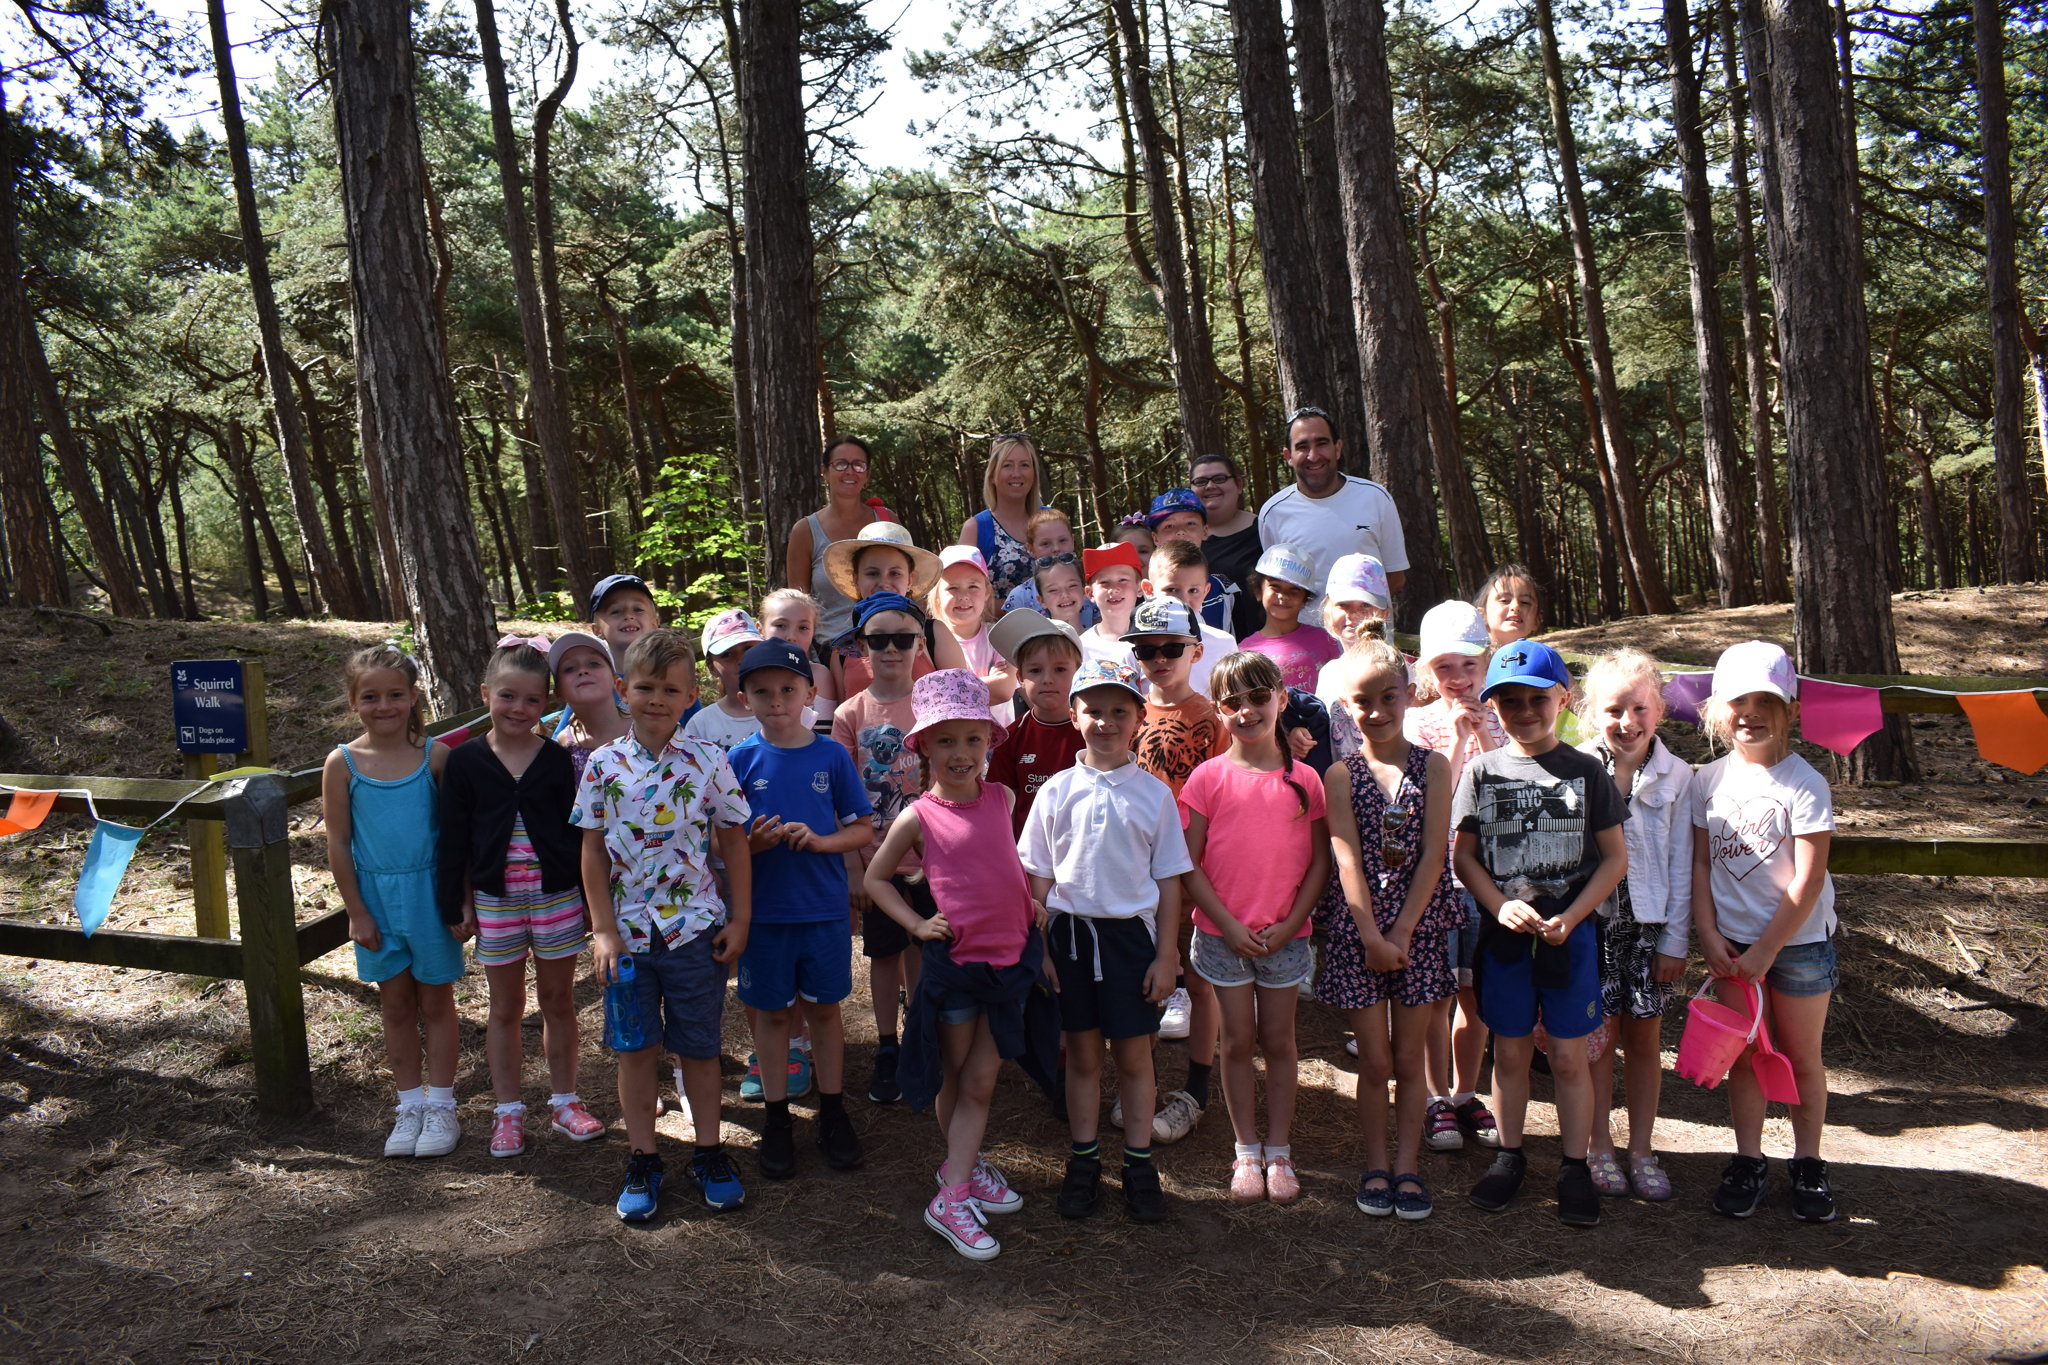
651,805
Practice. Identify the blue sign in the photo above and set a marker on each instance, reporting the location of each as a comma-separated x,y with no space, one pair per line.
209,706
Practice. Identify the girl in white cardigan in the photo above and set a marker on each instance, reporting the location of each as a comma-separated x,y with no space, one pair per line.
1643,928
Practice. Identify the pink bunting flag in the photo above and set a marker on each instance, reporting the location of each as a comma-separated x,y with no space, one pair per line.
1838,716
1684,693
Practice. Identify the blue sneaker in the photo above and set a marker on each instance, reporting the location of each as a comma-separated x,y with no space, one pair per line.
716,1177
642,1194
799,1073
750,1084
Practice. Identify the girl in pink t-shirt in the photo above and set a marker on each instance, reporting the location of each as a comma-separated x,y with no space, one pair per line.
1285,579
1261,846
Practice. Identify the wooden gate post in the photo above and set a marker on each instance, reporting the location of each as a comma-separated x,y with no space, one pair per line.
258,834
209,860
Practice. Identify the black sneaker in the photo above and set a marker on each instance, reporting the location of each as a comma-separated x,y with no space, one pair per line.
1501,1181
778,1146
1812,1200
1077,1191
1578,1202
882,1087
837,1141
1144,1201
1742,1186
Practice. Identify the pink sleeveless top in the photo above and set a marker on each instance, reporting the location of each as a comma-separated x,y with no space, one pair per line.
970,861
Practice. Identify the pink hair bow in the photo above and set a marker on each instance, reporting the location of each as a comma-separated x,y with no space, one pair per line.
538,643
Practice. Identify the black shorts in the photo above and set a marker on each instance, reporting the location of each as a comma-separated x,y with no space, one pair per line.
881,936
1119,952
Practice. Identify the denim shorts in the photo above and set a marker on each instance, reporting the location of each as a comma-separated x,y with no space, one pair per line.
1463,939
682,994
1213,961
1801,968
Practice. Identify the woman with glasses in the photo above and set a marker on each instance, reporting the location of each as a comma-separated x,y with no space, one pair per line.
1010,486
846,464
1232,547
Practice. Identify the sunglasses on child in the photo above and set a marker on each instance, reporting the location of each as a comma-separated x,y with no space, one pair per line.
1237,701
903,640
1392,821
1053,561
1145,654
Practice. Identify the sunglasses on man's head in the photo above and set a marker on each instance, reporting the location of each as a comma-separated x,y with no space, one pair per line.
1237,701
904,640
1145,654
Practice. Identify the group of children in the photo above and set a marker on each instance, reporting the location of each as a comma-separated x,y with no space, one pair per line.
1155,823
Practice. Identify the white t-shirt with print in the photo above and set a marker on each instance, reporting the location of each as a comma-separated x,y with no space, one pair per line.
1751,815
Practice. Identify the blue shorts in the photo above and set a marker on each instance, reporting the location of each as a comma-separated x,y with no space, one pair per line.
1101,965
1463,939
786,961
1801,968
1510,1001
414,938
682,995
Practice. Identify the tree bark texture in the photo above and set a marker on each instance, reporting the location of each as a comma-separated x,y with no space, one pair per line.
2017,562
333,576
543,381
1387,309
401,363
1201,409
1325,203
33,559
1727,516
1294,302
1620,445
1835,477
782,329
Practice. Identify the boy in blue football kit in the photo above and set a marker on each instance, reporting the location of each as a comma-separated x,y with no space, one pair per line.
810,809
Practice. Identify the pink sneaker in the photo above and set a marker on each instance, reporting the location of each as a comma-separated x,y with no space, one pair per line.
959,1222
577,1123
1282,1185
508,1135
988,1190
1247,1180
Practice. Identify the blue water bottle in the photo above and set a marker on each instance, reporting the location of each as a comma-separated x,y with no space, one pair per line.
624,1029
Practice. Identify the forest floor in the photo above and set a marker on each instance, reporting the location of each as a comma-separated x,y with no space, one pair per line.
152,1214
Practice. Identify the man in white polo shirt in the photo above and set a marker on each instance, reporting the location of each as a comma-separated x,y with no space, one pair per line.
1326,511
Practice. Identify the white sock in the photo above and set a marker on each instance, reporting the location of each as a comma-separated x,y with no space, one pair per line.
557,1101
1250,1149
441,1096
407,1098
802,1044
681,1093
1439,1099
1278,1153
1462,1097
514,1107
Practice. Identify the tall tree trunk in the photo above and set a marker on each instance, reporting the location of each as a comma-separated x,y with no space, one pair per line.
332,573
545,393
1841,593
1325,204
1294,304
244,461
1728,520
1756,349
123,596
400,358
2016,558
1201,411
37,566
1387,308
782,331
182,533
550,278
1620,446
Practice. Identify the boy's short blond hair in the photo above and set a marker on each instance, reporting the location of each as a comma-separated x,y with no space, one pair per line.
656,652
1175,555
1039,644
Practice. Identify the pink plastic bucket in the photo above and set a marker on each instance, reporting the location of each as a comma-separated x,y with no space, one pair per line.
1714,1038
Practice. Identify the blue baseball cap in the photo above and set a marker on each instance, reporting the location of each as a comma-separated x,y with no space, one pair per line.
607,586
774,654
1525,663
1172,501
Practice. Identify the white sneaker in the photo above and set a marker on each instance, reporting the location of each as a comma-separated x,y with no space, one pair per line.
439,1131
1178,1114
1307,989
405,1134
1116,1114
1174,1022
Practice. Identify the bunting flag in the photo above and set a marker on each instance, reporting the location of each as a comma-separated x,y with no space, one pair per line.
26,811
1684,693
2011,728
106,861
1838,716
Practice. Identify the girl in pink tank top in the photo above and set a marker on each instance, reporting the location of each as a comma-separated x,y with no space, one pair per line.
985,920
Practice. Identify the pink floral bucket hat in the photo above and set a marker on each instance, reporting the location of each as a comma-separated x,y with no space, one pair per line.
950,694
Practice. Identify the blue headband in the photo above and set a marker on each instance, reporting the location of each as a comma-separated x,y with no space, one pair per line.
873,605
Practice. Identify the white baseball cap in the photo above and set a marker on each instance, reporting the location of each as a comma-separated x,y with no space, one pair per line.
1755,666
1453,627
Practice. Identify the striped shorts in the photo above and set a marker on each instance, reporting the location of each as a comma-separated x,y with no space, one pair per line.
526,918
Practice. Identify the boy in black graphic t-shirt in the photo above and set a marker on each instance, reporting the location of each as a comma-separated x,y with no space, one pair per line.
1539,846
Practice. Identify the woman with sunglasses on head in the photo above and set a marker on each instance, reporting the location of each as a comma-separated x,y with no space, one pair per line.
1011,486
846,463
1232,547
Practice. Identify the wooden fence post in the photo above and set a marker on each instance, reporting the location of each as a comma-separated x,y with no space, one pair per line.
258,834
209,860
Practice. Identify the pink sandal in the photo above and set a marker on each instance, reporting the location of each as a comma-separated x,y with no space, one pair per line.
1646,1175
1607,1176
577,1123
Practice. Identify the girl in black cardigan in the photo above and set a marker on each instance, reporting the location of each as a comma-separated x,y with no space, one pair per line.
510,870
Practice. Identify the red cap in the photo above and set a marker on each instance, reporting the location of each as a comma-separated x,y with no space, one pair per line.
1095,561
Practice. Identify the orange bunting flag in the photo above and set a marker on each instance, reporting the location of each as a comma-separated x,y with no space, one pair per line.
2012,730
26,811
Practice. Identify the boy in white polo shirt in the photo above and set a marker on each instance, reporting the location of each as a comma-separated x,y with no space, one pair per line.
1104,851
